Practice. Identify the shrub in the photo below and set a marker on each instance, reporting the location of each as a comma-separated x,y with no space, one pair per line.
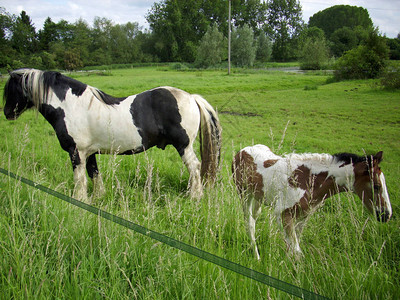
212,49
179,67
243,46
264,48
391,78
314,55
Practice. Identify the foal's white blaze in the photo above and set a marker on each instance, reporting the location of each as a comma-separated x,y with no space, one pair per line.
385,194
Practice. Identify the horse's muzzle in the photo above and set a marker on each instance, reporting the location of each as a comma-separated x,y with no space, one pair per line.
11,115
10,118
382,215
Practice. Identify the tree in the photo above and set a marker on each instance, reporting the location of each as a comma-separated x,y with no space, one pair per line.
179,25
394,45
81,40
342,40
243,46
338,16
212,49
48,34
368,60
72,60
264,47
285,24
24,38
314,52
249,12
6,50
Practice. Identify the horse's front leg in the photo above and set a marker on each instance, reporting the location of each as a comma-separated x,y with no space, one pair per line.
79,165
251,209
93,172
289,226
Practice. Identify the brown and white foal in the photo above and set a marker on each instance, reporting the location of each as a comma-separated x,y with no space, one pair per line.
297,183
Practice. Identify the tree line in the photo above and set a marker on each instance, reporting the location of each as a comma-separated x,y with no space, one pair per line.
191,31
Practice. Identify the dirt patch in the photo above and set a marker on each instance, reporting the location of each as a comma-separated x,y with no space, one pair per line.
234,113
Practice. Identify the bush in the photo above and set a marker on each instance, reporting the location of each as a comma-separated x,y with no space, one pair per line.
314,55
179,67
243,46
212,49
391,78
264,48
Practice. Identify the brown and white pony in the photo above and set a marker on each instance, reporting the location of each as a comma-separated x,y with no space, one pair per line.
297,183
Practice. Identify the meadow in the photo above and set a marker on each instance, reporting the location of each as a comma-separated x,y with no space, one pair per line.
50,249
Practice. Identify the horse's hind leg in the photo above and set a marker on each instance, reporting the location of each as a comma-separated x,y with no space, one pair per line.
192,163
93,172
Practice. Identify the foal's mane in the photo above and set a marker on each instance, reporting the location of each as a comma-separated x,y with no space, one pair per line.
37,84
349,158
318,157
344,157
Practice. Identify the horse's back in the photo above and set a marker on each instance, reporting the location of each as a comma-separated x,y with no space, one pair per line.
250,167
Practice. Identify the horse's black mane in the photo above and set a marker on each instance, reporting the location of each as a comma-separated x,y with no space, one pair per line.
349,158
58,82
55,81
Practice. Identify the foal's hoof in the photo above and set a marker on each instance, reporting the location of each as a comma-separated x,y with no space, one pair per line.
197,194
83,198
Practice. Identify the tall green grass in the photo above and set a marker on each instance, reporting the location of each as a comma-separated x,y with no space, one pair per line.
49,249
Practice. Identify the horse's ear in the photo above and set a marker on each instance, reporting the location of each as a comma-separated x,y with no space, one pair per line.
378,157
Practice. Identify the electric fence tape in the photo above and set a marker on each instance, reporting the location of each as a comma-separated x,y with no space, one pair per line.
260,277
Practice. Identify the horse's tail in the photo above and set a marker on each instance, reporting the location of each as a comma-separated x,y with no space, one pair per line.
210,140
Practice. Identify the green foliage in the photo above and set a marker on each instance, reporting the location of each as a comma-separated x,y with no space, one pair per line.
72,60
342,40
313,50
243,46
264,48
284,25
212,49
314,54
179,67
178,26
394,46
338,16
366,61
80,44
391,77
23,37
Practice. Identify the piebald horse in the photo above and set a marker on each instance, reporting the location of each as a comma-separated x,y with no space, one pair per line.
87,121
296,184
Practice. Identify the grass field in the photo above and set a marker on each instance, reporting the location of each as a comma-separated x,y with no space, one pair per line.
49,249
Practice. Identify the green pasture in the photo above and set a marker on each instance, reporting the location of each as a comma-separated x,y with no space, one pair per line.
50,249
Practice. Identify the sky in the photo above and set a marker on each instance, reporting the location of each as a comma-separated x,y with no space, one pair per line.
384,13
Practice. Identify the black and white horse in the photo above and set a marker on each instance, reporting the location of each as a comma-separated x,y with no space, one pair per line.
88,121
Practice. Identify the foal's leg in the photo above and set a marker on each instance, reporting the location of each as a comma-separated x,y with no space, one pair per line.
251,209
78,164
93,172
192,163
289,223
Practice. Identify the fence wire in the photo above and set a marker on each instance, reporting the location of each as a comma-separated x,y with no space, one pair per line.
244,271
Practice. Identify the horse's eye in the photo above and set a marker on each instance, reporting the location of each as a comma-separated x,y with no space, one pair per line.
377,188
